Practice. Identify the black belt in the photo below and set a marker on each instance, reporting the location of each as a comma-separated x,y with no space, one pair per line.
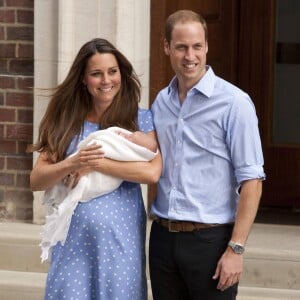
185,226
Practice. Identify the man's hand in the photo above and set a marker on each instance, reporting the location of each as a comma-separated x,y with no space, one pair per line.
229,269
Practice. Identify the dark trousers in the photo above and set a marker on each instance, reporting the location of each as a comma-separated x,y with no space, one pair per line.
182,263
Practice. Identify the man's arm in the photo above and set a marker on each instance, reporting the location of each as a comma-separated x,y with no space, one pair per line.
230,265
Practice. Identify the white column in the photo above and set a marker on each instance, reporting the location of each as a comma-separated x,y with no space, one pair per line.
133,38
66,36
45,73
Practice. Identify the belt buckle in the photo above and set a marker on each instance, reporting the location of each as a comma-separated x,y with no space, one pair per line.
170,226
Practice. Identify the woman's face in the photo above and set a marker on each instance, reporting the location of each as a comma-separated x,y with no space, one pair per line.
102,78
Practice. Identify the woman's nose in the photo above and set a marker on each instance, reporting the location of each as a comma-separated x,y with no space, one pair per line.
105,78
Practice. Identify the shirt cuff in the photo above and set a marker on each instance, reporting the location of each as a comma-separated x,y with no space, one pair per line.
250,172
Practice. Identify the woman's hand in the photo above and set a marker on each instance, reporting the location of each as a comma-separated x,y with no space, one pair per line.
83,156
81,161
46,174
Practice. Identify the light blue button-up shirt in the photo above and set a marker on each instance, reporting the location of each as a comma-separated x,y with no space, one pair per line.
210,144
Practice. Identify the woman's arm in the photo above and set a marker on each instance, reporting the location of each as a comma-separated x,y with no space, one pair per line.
46,174
142,172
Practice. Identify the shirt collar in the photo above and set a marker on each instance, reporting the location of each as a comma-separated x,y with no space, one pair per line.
205,85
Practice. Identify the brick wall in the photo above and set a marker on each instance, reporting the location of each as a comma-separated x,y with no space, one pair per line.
16,108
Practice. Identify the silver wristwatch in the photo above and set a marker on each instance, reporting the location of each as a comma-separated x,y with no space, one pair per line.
237,248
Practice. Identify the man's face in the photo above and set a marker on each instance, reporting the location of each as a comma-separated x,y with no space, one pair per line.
187,51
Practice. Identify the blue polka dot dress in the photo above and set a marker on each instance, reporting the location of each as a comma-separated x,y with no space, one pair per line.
104,253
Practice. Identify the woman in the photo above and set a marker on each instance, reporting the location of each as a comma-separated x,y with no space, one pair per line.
103,256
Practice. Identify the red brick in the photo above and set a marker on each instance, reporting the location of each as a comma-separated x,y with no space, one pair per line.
2,162
2,33
25,82
19,163
7,179
19,33
4,214
1,131
18,196
19,99
21,67
7,146
7,82
3,66
1,98
25,116
25,16
25,51
25,214
20,3
7,16
19,132
23,180
7,115
7,50
22,147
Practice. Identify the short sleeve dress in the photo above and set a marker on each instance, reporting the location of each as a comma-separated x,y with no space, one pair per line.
104,253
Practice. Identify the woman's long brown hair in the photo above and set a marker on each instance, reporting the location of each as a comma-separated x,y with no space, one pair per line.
71,102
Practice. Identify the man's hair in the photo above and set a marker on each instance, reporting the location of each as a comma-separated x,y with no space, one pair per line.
183,16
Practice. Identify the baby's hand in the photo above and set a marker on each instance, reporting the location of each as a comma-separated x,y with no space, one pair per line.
72,179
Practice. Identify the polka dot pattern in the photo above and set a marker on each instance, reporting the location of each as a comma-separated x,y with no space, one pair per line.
104,253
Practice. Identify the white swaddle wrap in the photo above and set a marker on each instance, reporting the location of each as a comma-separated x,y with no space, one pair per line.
61,201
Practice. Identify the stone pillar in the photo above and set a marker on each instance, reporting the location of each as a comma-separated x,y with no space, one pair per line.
63,26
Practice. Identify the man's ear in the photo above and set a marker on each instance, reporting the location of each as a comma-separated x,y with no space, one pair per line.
166,47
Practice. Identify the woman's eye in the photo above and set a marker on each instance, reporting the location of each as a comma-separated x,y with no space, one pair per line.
113,71
96,74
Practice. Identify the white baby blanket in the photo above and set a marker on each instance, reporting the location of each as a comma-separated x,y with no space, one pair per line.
61,201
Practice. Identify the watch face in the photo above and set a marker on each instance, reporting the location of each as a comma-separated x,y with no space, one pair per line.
238,249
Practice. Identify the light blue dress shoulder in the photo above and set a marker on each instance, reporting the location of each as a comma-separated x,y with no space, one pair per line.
104,253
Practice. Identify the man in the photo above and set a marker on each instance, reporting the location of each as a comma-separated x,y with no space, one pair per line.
211,184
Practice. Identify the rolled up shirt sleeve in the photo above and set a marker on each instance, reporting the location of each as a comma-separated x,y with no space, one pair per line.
244,141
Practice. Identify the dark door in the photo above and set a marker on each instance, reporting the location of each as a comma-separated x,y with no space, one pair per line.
245,50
